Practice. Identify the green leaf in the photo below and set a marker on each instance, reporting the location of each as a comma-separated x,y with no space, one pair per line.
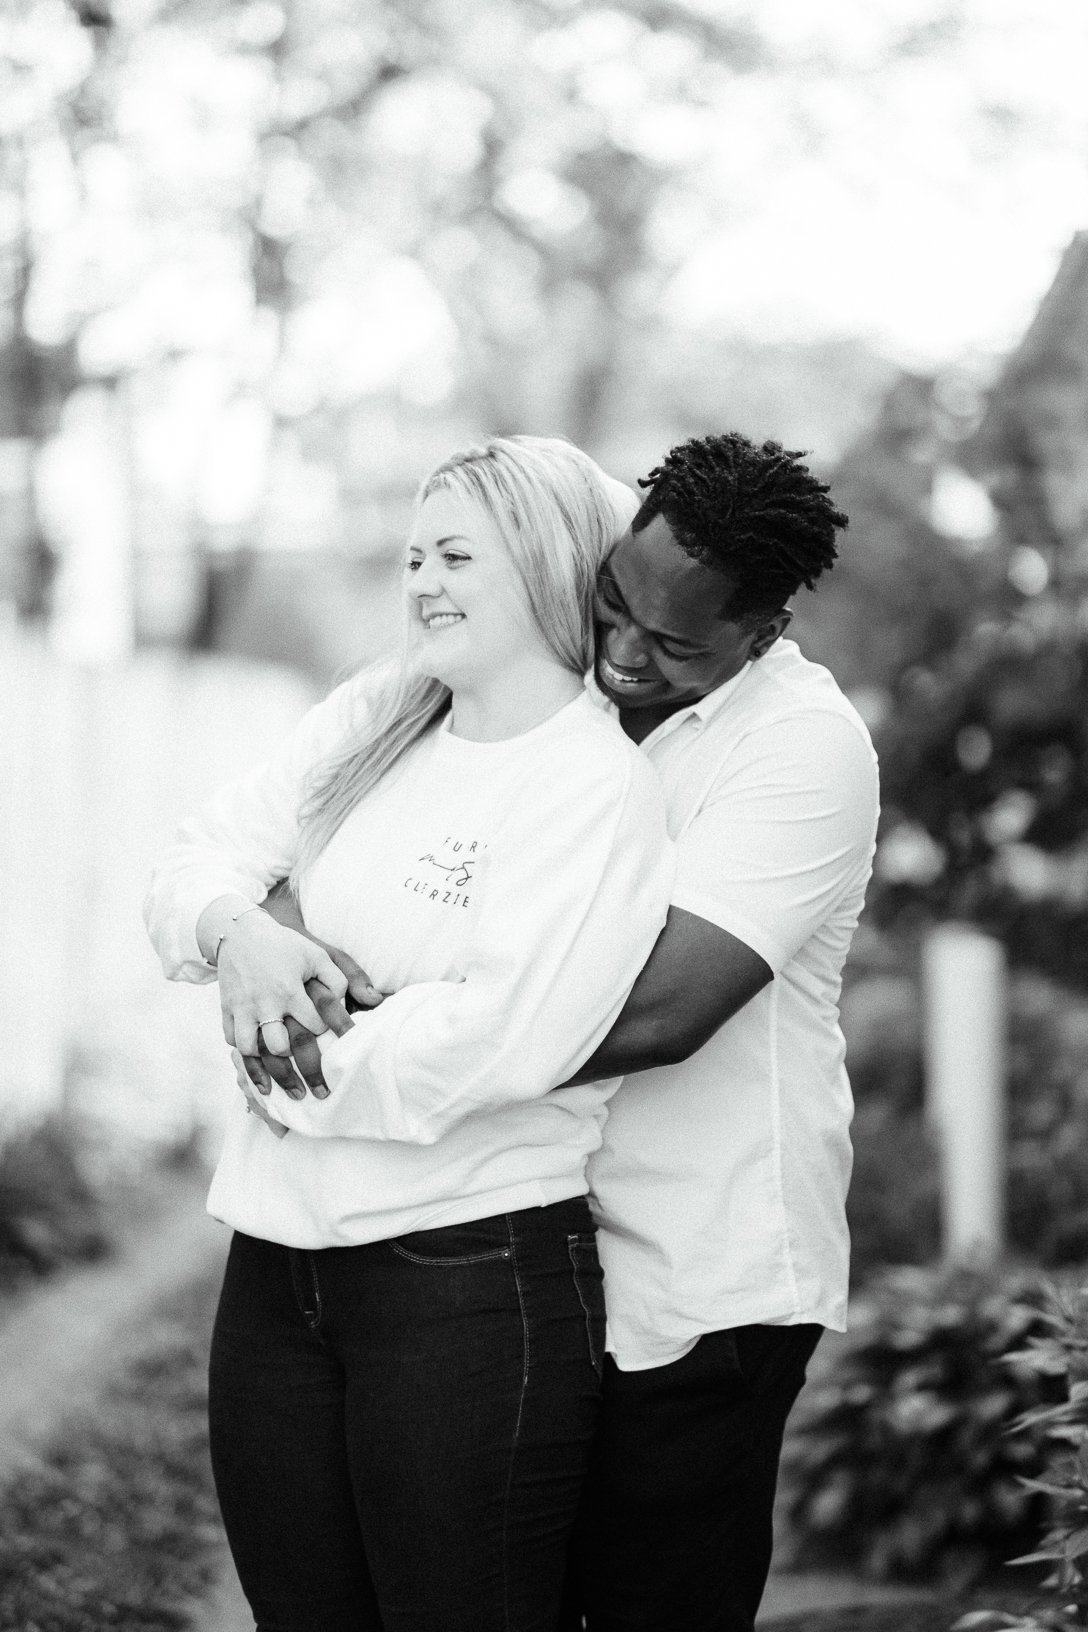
1060,1491
1077,1543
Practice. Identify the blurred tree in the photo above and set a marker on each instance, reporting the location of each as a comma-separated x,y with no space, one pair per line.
985,754
903,590
289,188
36,373
301,232
508,153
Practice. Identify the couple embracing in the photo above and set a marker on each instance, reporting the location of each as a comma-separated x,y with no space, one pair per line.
532,1248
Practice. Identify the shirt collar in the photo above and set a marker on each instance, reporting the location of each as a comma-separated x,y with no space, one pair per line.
702,711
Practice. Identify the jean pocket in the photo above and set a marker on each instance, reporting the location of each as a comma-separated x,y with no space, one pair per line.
476,1242
589,1284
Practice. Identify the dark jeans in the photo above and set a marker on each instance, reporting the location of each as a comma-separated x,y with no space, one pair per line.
400,1430
674,1532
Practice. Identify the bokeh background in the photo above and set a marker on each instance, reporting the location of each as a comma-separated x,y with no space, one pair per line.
262,264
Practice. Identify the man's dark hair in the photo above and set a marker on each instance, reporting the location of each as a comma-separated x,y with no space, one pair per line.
754,513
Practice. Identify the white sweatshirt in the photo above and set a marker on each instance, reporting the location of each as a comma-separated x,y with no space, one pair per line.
507,893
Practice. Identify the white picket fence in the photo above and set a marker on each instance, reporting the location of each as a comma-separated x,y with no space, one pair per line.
97,765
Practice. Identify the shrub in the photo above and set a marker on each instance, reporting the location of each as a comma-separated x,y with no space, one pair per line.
49,1214
1061,1354
902,1462
1048,1123
893,1204
893,1207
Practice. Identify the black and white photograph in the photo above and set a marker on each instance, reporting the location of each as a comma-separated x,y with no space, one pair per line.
544,815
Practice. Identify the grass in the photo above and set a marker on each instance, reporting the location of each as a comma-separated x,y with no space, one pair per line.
119,1526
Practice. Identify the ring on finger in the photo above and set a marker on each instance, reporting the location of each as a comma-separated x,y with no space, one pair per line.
277,1021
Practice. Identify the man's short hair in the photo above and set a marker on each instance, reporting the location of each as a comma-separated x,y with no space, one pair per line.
755,513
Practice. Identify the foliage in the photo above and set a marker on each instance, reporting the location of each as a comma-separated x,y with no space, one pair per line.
493,161
903,592
987,751
893,1206
49,1214
902,1462
984,749
893,1201
119,1525
1048,1123
1061,1353
984,741
301,245
288,254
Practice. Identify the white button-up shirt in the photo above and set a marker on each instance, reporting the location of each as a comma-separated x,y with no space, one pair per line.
720,1187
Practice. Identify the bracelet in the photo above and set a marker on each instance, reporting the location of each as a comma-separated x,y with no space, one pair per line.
254,906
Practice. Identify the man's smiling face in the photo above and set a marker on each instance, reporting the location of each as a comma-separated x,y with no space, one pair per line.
662,639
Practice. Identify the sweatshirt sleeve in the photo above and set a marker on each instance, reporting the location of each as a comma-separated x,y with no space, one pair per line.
576,890
242,841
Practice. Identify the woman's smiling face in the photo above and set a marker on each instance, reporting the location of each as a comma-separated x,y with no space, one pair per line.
469,615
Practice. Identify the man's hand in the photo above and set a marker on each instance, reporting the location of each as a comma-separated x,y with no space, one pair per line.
301,1069
254,1103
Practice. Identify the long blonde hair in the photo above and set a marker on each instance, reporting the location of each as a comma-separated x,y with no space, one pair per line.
559,515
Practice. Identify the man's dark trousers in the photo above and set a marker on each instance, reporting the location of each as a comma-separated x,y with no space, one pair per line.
675,1528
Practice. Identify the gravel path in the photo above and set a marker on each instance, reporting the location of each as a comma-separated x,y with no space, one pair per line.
60,1343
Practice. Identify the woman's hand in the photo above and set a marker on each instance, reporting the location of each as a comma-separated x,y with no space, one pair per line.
263,969
301,1069
280,904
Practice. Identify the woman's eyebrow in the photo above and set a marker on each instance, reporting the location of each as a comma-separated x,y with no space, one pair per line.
451,538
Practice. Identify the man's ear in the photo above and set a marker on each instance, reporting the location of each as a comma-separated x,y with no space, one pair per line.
767,633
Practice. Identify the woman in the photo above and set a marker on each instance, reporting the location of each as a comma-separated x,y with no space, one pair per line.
406,1356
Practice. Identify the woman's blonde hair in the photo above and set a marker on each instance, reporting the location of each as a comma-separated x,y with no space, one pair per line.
559,515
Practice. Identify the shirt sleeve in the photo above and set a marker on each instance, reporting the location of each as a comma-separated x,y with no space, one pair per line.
243,840
787,829
575,893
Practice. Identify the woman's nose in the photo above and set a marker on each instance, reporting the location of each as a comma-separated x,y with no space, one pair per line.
423,581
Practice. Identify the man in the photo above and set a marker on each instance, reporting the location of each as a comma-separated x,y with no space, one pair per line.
721,1183
720,1186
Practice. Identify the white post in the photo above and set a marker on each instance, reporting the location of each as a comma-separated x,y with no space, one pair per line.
963,982
88,489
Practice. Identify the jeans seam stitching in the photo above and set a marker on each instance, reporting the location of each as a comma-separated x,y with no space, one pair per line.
294,1262
316,1286
574,1241
517,1429
472,1258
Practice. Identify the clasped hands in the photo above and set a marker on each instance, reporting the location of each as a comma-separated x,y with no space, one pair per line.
298,1068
